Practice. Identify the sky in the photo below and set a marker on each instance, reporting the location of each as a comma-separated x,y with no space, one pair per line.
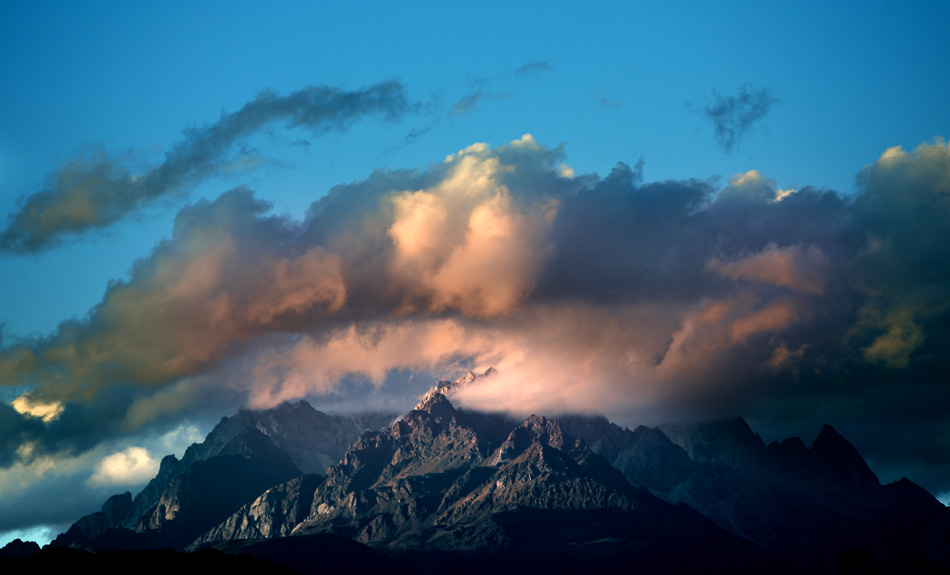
654,211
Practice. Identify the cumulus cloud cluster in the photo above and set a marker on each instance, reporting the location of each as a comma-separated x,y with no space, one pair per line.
645,301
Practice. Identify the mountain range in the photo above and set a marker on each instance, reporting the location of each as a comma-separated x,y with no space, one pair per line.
447,488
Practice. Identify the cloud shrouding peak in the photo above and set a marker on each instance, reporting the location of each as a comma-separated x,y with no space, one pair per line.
99,189
645,301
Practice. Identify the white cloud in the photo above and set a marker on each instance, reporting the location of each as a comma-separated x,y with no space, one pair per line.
132,466
46,411
782,194
179,439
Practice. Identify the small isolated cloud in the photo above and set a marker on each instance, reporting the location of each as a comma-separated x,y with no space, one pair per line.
534,67
99,189
130,467
603,101
732,116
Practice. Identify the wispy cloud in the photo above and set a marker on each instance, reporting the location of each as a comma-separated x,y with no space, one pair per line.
603,101
733,116
533,67
468,103
100,189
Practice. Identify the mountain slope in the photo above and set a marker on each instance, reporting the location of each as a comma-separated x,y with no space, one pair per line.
442,485
450,481
241,457
807,504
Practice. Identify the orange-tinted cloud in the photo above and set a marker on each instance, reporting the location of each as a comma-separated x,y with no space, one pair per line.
464,244
211,287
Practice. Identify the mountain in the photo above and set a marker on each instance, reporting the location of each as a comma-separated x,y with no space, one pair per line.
448,489
449,481
242,456
808,505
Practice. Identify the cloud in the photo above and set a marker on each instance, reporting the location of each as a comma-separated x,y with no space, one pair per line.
533,67
468,103
902,267
231,276
98,189
46,411
133,466
733,116
465,244
645,300
46,489
223,278
603,101
791,267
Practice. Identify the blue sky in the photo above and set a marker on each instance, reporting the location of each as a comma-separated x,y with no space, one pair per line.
836,84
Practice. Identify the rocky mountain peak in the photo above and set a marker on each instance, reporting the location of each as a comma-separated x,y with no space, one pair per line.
446,387
436,404
839,461
539,431
728,441
169,465
538,428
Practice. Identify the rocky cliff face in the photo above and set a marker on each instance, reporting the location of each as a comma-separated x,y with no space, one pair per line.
451,480
273,514
242,456
312,439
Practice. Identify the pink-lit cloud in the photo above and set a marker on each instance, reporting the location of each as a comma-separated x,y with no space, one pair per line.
792,267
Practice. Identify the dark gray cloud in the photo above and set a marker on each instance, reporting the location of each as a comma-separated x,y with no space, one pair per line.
15,431
99,189
732,116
